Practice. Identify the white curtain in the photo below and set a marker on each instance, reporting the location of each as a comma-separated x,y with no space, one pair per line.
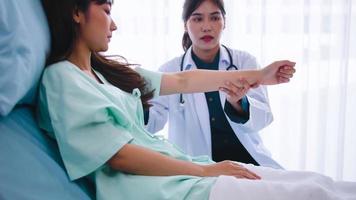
315,115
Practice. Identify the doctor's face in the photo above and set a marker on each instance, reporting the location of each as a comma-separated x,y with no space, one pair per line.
205,26
95,26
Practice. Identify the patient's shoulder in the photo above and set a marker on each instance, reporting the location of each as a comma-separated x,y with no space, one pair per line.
64,72
62,67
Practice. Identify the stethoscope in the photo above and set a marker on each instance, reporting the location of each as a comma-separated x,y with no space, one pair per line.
230,67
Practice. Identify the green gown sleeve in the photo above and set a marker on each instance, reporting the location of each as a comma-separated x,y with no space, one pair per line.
85,123
153,79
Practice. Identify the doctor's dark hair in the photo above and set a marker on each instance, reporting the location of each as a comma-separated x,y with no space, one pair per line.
64,33
188,8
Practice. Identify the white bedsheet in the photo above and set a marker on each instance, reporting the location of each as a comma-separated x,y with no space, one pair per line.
282,185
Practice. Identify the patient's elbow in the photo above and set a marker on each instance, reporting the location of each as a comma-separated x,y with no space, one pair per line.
116,162
123,160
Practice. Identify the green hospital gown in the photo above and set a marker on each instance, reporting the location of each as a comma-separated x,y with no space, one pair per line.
92,122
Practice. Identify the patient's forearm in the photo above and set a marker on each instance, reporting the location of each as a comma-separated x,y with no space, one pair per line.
204,80
210,80
142,161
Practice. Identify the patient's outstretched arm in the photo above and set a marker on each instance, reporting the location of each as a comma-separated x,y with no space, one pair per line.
211,80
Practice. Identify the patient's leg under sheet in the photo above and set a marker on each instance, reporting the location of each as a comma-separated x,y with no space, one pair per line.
281,184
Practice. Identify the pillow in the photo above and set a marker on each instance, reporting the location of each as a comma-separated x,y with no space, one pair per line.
31,166
24,43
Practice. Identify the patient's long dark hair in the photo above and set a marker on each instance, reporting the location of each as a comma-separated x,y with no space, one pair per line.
63,30
188,8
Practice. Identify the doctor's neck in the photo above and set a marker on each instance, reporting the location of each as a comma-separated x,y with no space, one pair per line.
206,55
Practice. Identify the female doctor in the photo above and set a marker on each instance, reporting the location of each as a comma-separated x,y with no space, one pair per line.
222,124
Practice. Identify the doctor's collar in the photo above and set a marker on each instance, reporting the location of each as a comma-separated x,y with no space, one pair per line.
189,63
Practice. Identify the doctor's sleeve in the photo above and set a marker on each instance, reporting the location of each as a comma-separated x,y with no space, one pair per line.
158,114
234,115
260,114
86,125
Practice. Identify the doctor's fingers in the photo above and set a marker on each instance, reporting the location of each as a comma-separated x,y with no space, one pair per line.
245,83
242,85
234,96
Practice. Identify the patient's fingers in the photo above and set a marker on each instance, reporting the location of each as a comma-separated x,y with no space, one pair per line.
283,80
285,63
279,74
249,175
287,70
243,172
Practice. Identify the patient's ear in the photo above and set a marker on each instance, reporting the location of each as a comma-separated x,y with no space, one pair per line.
77,16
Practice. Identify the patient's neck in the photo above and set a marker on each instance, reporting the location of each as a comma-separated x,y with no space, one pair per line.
80,56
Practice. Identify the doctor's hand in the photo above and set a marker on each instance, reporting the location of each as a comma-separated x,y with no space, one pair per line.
229,168
277,72
234,93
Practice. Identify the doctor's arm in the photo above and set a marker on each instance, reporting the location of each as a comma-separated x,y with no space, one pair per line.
236,105
252,112
256,112
211,80
139,160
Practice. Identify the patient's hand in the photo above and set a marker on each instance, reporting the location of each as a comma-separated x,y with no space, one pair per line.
229,168
278,72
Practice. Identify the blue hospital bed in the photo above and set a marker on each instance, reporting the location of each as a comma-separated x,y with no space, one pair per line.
30,164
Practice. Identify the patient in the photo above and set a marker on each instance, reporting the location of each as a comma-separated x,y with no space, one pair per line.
93,107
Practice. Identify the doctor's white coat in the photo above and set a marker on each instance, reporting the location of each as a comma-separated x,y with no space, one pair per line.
189,124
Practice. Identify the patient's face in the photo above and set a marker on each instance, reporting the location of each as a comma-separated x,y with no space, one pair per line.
96,27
